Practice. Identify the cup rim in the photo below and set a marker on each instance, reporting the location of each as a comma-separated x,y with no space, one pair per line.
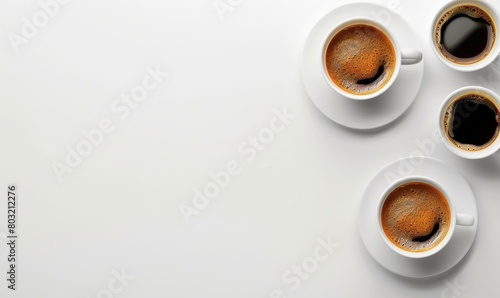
483,153
489,58
381,27
442,243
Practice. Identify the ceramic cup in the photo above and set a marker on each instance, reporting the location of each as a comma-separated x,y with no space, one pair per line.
455,218
485,58
468,151
402,57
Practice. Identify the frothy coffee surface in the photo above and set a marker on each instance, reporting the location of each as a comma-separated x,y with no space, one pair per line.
472,122
360,59
415,216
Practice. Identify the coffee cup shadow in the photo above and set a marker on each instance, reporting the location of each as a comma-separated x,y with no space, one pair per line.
436,281
420,284
372,107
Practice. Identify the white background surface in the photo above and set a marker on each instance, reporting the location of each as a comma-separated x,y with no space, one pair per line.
119,209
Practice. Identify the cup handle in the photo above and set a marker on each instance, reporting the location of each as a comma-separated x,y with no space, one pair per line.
410,56
465,219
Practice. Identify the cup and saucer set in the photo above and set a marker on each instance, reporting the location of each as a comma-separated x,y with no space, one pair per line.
363,73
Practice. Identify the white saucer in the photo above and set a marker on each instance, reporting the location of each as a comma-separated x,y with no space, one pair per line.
459,244
361,114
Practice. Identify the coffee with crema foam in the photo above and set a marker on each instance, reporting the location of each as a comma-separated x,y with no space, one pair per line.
360,59
415,216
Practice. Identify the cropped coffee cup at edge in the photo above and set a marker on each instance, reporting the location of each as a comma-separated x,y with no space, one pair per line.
453,217
361,58
464,35
472,111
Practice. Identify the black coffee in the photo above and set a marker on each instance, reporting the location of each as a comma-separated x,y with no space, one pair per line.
472,122
465,34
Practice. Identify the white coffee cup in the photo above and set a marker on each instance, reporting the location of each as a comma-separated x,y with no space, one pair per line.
455,218
490,57
489,149
402,56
